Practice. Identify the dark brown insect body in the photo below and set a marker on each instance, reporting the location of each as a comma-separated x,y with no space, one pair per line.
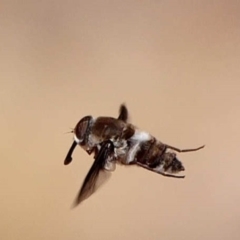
114,140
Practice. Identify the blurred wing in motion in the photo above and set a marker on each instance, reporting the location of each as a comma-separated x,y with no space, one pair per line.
97,173
123,113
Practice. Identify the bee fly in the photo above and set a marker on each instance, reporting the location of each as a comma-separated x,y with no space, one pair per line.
115,140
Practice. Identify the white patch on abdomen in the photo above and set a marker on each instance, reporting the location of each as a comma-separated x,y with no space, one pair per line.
132,153
136,140
159,168
141,136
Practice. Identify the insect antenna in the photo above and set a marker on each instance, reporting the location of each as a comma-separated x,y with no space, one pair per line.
70,131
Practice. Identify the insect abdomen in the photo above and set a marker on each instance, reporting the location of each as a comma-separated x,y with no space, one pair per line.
152,155
150,152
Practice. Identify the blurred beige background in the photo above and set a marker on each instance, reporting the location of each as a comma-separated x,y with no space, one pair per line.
175,64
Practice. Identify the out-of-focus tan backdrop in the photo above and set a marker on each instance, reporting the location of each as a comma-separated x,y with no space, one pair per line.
176,66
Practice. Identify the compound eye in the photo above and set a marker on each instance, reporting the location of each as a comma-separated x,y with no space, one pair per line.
82,128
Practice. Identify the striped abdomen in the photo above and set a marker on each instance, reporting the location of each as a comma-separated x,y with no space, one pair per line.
144,150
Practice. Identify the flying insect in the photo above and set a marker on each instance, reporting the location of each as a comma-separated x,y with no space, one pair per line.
116,141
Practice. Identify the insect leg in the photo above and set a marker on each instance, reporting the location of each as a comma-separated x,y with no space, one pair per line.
184,150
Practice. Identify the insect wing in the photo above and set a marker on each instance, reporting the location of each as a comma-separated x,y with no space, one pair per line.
123,113
96,174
